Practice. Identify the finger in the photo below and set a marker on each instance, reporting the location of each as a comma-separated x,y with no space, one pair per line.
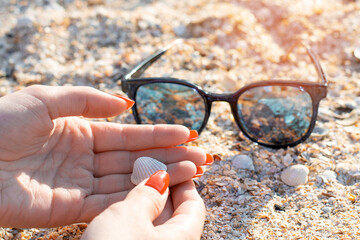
78,101
179,172
147,200
189,216
115,162
114,137
166,214
112,184
134,216
184,192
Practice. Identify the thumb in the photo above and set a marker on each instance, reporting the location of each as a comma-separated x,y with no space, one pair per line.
133,217
150,196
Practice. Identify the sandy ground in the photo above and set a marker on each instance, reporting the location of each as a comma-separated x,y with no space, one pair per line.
227,44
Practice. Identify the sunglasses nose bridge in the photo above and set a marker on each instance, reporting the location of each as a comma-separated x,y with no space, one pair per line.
230,98
220,97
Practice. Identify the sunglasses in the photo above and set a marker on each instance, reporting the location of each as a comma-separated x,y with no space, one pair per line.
273,113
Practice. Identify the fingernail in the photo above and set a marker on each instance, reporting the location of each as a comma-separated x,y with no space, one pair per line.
129,102
209,160
199,172
193,135
159,181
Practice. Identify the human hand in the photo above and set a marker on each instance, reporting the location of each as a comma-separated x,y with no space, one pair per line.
57,170
133,218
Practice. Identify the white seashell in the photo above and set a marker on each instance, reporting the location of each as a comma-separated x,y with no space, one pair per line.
295,175
326,176
243,162
144,167
350,120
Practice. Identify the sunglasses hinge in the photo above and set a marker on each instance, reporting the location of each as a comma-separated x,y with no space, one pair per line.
124,86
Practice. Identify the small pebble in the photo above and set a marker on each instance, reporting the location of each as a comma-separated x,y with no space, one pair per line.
320,132
243,162
357,53
24,22
352,170
179,30
332,200
277,207
287,160
326,209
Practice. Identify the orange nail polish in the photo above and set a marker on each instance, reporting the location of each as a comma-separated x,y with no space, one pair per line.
193,135
159,181
199,172
129,102
209,160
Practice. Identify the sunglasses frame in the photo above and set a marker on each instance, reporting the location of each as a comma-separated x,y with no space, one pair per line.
131,82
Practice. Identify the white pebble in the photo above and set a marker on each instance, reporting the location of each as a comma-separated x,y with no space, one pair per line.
326,209
332,200
24,22
179,30
287,160
326,176
357,53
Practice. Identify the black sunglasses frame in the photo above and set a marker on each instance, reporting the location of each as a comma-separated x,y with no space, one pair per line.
130,83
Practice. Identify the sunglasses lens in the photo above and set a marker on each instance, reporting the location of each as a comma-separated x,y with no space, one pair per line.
275,115
170,103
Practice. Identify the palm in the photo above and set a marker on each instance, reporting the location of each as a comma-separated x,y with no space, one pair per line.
67,170
55,180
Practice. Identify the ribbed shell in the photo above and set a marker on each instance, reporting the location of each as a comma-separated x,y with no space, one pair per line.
295,175
243,162
144,167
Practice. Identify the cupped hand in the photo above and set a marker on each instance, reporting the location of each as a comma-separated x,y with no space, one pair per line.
135,218
57,169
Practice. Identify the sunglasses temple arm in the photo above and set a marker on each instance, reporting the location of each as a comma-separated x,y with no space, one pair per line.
140,68
317,64
313,58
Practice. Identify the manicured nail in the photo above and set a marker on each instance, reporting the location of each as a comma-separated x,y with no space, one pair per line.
199,172
128,101
159,181
209,160
193,135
